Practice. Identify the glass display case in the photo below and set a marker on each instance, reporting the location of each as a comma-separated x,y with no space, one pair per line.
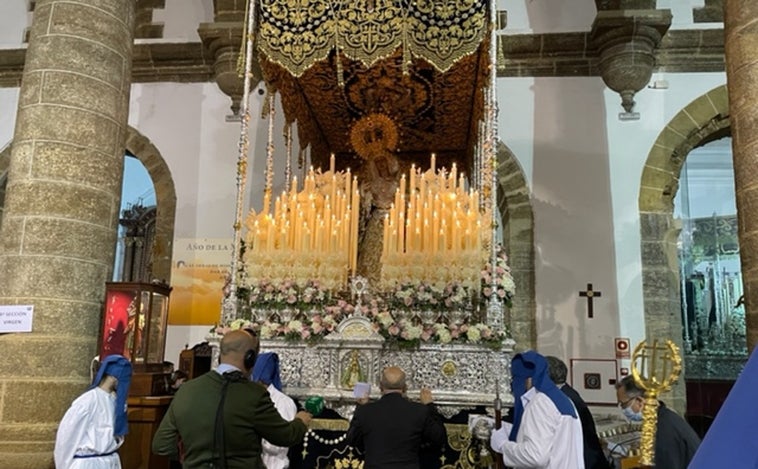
134,323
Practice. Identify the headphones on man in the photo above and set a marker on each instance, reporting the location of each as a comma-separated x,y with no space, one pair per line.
252,354
249,360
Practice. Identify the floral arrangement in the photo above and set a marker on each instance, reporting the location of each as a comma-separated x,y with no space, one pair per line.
406,316
285,294
427,296
313,295
403,333
501,282
406,333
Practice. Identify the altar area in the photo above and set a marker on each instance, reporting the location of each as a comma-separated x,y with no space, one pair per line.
382,246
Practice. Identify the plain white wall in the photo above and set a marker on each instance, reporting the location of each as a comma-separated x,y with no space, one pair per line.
548,16
14,19
8,108
181,18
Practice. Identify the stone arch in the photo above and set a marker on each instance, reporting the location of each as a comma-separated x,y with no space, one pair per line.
165,195
703,120
517,218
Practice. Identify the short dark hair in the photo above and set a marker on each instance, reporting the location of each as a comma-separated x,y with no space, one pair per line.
557,369
178,374
630,387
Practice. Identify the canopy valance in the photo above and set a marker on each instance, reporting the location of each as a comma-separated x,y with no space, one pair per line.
298,34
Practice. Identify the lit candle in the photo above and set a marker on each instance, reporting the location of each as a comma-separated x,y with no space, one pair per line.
347,182
385,236
270,234
319,237
434,163
443,236
354,236
435,225
401,227
331,163
328,215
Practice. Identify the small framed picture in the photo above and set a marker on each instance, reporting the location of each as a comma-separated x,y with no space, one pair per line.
595,380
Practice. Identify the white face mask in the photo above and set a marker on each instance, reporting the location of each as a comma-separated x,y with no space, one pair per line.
632,415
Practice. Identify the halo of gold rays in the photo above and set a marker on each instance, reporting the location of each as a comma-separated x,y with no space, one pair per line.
373,135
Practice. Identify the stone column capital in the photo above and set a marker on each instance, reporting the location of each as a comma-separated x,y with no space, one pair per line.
626,41
223,42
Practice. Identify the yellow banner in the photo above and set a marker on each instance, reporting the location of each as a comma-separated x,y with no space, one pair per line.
198,275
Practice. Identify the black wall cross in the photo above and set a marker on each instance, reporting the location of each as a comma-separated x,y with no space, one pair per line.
590,294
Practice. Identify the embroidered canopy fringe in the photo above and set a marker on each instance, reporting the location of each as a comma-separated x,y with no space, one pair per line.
296,35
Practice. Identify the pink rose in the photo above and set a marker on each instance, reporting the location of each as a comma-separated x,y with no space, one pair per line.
305,333
426,335
394,330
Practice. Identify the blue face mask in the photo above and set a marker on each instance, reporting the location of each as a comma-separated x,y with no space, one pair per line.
632,415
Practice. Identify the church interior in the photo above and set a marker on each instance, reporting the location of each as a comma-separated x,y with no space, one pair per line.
436,185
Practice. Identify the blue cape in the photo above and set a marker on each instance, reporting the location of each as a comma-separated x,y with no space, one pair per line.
120,368
266,369
730,441
531,364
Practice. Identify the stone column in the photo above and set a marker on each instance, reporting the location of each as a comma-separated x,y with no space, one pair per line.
58,235
741,42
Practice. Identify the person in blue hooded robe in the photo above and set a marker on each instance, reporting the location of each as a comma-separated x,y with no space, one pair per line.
546,432
93,428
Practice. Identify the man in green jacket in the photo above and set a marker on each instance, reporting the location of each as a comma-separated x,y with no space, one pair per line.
219,418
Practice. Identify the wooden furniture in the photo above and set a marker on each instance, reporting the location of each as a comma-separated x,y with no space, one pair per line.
704,400
196,361
145,415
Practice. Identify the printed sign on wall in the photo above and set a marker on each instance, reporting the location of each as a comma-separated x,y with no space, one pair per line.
198,275
16,318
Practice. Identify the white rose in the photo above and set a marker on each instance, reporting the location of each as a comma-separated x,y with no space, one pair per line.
473,334
508,284
266,332
414,332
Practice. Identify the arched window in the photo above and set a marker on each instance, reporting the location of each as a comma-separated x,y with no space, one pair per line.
713,314
136,234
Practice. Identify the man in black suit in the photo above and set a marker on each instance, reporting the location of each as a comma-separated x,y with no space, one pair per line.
391,431
594,457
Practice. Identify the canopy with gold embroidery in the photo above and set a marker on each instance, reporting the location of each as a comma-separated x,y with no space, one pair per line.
422,63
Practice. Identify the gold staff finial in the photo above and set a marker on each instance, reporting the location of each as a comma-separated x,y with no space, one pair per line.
655,368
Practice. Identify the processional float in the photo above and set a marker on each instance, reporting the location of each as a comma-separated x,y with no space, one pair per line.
396,263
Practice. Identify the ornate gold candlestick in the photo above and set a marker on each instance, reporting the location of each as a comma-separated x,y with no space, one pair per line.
655,369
